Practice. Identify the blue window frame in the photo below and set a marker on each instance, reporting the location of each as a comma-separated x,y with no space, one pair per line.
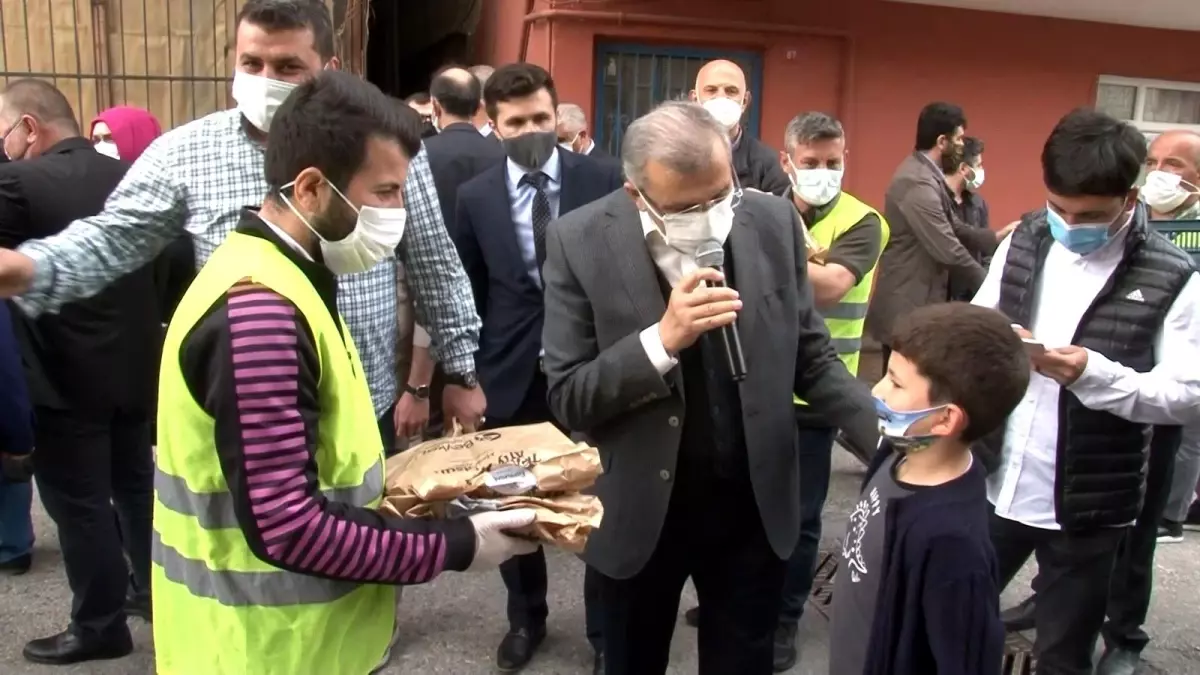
631,79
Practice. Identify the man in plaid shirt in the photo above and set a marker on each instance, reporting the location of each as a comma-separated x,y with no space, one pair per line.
198,177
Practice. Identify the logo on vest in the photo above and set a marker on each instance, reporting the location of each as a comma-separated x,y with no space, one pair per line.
1136,295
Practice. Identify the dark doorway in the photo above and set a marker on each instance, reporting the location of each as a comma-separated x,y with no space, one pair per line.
408,40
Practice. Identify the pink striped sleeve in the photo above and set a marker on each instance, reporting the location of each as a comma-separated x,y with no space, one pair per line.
294,525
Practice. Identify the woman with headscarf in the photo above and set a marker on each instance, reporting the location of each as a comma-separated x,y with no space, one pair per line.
124,132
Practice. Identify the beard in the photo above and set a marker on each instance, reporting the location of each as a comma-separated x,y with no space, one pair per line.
951,160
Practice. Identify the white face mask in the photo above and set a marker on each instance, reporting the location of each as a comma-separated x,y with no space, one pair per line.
977,182
727,111
1165,191
685,232
816,187
108,149
258,98
375,236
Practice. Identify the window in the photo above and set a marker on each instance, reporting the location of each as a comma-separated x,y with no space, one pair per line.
632,79
1154,106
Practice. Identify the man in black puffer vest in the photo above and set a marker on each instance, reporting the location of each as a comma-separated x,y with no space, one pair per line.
1111,312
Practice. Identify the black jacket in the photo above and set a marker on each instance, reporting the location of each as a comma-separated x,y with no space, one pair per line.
99,353
1100,467
757,166
938,608
456,155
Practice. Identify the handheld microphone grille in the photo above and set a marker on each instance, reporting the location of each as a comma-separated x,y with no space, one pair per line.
710,254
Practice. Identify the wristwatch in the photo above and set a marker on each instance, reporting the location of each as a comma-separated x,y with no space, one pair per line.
420,393
467,380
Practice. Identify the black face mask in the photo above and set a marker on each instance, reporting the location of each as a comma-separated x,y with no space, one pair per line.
531,150
428,130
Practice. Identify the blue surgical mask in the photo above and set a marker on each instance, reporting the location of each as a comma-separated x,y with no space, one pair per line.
894,426
1083,238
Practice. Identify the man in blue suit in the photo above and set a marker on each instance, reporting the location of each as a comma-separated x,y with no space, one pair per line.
16,442
501,219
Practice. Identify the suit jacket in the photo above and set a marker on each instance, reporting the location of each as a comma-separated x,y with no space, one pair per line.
456,155
928,240
602,290
99,353
508,299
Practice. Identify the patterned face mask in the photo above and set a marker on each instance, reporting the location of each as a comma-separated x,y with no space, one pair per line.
894,425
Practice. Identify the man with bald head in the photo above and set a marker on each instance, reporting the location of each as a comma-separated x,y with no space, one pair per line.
721,89
90,370
700,470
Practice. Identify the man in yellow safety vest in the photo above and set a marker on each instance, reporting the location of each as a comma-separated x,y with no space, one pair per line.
269,554
847,237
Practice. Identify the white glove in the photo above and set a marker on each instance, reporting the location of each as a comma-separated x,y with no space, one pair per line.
492,543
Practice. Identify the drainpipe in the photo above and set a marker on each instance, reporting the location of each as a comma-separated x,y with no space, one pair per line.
527,28
846,86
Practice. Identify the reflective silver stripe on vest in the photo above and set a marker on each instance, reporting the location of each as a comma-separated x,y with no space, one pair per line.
215,511
847,345
246,589
845,311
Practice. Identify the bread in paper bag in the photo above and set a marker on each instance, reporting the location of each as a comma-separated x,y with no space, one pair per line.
534,466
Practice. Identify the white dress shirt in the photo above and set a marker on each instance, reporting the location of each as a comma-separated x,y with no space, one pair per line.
1023,489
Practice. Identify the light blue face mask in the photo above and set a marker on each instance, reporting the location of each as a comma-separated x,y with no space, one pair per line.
894,426
1081,239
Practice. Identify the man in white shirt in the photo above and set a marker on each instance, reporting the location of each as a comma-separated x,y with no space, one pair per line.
1111,314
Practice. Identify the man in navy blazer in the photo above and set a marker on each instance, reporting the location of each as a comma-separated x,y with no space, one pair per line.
501,219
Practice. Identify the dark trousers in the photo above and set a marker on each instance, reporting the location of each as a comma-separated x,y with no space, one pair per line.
1133,576
816,450
387,431
1074,572
85,465
720,543
525,576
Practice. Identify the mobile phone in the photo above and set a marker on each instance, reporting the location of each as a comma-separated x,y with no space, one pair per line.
1033,347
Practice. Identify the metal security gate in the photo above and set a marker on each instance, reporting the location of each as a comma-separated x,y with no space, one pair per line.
173,57
632,79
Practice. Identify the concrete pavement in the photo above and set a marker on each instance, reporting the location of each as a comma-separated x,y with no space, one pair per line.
452,626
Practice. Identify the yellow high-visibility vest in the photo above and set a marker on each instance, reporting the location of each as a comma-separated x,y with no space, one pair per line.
219,609
845,320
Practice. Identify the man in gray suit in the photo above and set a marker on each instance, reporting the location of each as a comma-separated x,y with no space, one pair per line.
701,475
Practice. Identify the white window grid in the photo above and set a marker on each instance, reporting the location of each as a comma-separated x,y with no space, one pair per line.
1151,129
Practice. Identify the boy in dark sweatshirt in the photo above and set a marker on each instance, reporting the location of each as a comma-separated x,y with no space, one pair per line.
16,442
917,591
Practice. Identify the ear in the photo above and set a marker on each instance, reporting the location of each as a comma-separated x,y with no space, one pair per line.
693,96
784,162
952,422
310,191
333,64
746,100
1131,199
632,191
437,108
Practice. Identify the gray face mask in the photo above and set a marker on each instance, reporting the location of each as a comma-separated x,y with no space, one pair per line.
531,150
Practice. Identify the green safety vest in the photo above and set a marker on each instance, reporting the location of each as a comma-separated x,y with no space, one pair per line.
845,320
219,609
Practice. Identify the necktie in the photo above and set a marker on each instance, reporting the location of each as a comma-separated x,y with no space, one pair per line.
541,213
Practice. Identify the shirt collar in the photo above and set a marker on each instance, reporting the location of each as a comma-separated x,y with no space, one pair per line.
590,146
552,168
486,130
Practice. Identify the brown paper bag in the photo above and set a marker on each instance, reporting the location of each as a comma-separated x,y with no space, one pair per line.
534,466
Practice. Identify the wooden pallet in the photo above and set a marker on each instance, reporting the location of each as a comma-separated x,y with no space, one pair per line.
1018,650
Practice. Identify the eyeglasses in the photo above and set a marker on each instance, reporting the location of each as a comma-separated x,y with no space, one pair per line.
734,196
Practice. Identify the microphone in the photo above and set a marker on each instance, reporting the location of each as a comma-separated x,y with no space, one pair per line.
712,254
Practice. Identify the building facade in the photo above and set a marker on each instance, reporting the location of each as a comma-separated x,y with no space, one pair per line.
874,64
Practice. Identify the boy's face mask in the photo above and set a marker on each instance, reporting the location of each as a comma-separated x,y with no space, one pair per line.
897,426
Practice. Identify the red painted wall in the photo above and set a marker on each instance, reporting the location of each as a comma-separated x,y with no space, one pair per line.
1014,75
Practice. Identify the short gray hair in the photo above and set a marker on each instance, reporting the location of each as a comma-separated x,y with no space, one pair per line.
572,116
811,127
677,134
481,72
